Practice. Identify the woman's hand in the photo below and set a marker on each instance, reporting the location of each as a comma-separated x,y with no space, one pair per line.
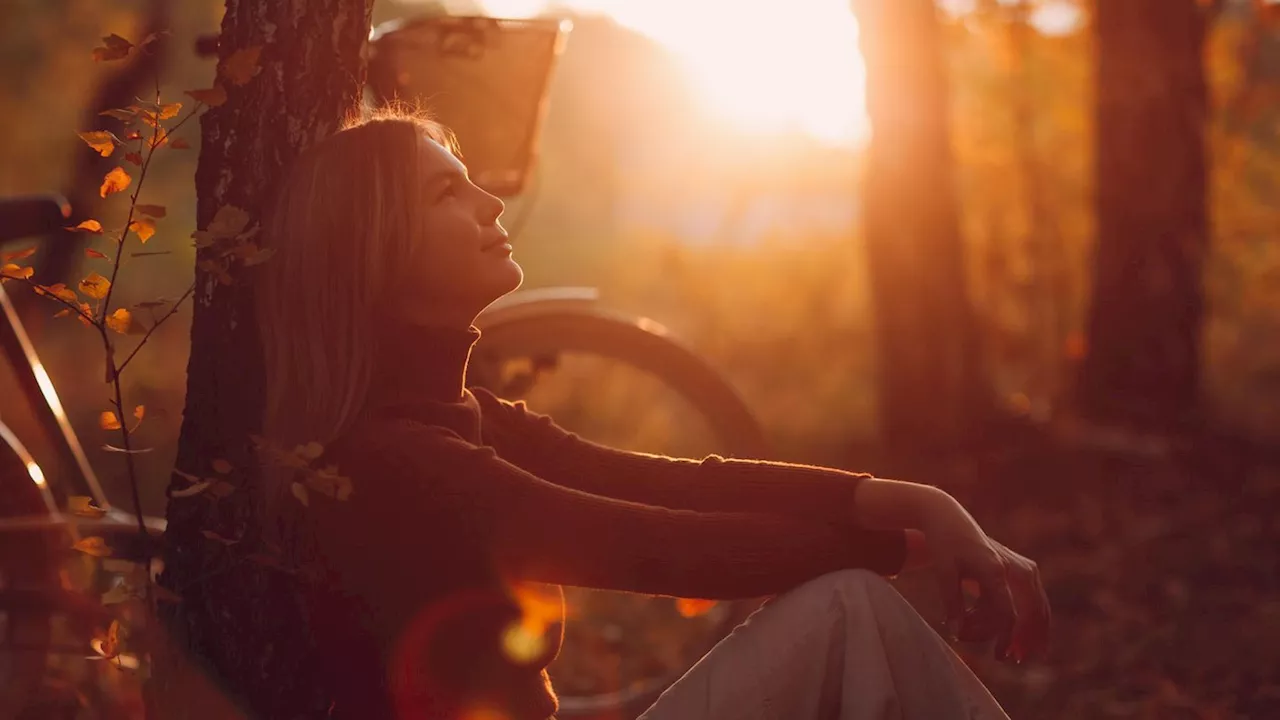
1012,606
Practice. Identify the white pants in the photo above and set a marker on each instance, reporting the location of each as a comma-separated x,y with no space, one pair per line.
843,646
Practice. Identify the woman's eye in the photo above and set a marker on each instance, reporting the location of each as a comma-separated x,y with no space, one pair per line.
450,190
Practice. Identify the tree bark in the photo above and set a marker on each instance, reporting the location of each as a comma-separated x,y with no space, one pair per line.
931,383
233,639
1142,367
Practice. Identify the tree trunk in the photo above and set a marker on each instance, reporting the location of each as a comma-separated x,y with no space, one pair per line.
233,638
1142,367
931,384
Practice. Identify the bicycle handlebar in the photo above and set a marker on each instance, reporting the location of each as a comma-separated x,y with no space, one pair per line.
27,215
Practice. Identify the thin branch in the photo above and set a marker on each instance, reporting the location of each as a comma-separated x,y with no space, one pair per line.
152,329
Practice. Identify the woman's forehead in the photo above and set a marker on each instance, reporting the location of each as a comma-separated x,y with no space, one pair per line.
439,157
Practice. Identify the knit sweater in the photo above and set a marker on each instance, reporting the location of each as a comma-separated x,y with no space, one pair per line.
459,497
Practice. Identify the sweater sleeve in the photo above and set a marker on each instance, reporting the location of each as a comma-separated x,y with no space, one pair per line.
712,484
540,531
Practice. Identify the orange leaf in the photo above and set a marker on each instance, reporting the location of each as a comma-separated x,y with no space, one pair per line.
158,138
16,272
100,140
119,321
19,254
86,312
114,182
180,144
139,412
94,546
145,227
133,157
155,211
690,607
108,421
90,226
82,505
213,97
164,112
242,65
90,252
114,48
95,286
57,290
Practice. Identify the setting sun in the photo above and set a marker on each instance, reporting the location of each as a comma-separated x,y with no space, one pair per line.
761,69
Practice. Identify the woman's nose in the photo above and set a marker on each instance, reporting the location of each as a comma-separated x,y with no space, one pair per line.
491,208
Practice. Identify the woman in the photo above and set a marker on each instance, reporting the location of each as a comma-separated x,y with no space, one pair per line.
437,590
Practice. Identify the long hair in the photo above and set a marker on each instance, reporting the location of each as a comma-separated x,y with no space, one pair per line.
344,225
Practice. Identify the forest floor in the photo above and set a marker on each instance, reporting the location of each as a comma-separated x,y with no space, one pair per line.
1163,573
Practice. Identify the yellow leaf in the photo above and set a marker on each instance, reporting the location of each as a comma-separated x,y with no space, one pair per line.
108,421
90,252
114,182
213,97
119,321
18,254
155,211
145,227
85,313
158,138
114,48
139,412
100,140
95,286
83,506
222,467
690,607
164,112
14,271
94,546
89,226
180,144
62,292
242,65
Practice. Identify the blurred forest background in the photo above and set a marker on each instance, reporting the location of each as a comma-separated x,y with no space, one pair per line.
750,245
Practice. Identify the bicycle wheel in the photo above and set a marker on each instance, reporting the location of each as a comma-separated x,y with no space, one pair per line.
522,349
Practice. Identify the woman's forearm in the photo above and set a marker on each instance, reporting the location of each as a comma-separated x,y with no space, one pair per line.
893,504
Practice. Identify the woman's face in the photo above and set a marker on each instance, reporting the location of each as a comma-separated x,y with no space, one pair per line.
466,262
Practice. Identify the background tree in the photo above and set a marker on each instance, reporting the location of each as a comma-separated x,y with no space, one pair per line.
1142,367
930,380
291,72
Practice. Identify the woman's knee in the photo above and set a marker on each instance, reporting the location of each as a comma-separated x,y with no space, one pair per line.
851,588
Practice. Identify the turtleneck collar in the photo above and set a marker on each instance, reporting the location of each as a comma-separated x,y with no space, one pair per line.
421,363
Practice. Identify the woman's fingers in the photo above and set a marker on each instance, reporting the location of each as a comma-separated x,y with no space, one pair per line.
948,578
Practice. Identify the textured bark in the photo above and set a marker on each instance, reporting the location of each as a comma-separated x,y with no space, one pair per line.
234,637
1142,369
930,379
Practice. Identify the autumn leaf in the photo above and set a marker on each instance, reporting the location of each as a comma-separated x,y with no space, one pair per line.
58,290
95,286
90,252
213,97
242,65
155,211
113,47
22,254
691,607
222,467
16,272
101,141
82,505
85,313
119,321
164,112
228,222
217,269
108,646
115,181
134,157
94,546
180,144
158,138
62,313
108,421
89,226
145,304
145,227
300,491
139,412
124,115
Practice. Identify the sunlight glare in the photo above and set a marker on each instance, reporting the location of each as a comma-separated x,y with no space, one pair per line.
37,475
759,68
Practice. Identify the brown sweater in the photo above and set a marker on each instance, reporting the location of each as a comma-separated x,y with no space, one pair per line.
458,495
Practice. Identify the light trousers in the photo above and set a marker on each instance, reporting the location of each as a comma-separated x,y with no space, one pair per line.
843,646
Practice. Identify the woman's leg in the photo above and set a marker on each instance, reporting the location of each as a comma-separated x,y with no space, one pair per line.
844,646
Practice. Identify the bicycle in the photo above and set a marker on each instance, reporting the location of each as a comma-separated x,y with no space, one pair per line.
527,338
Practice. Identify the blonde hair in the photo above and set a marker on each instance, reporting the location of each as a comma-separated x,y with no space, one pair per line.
343,224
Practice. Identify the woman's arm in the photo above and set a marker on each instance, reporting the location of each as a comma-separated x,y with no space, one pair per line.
713,484
410,481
